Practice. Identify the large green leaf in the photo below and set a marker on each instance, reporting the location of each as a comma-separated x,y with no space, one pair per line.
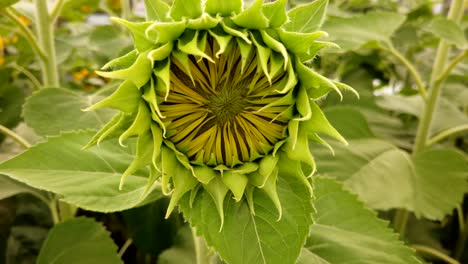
307,18
447,115
353,32
86,178
257,238
10,187
344,231
78,241
448,31
430,184
350,159
53,110
349,122
183,250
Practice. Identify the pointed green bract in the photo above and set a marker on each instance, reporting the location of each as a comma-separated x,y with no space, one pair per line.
139,73
204,22
236,182
163,32
319,124
218,191
161,53
276,13
224,8
307,18
143,156
122,62
142,43
252,17
297,42
186,9
125,99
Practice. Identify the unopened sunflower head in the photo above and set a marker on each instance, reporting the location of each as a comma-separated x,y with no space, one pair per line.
218,96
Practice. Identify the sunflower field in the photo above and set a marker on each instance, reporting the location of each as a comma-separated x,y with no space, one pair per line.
233,131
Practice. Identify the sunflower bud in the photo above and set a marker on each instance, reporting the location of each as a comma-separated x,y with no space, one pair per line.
216,95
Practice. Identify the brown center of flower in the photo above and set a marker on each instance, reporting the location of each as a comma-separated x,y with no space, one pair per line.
217,113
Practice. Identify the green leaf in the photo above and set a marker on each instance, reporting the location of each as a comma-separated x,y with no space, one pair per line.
431,184
53,110
78,241
259,237
353,32
344,231
183,250
11,100
157,10
7,3
349,122
224,8
447,115
348,160
385,177
88,179
10,187
307,18
448,31
148,229
186,9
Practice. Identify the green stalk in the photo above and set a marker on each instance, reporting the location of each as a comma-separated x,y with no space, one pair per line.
56,10
45,31
17,138
412,70
422,134
125,246
28,35
435,253
201,251
37,84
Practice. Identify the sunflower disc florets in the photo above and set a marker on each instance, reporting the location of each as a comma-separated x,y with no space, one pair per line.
216,95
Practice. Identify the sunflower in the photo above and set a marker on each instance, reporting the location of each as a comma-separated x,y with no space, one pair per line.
216,94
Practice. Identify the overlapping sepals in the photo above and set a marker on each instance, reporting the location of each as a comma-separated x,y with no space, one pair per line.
205,30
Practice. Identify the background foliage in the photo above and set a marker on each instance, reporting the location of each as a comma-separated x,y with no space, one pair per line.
379,199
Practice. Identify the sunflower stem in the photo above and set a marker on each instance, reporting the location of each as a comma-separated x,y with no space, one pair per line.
45,33
201,250
422,134
57,10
